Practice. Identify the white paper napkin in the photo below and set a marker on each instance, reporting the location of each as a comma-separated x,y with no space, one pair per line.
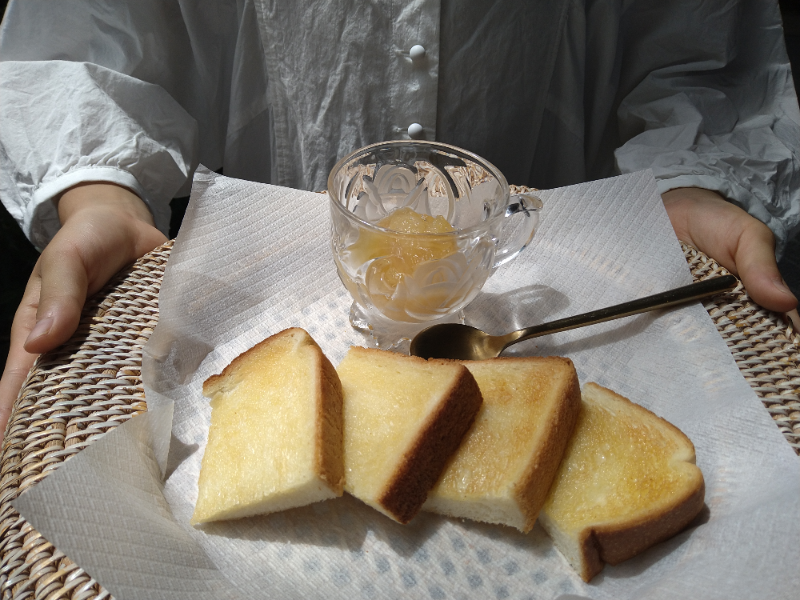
253,259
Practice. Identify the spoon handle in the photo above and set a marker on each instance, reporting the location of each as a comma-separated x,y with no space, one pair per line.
695,291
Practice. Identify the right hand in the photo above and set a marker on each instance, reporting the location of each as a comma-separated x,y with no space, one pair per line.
737,241
104,228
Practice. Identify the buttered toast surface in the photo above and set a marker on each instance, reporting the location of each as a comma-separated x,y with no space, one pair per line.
627,481
403,418
275,440
506,463
500,441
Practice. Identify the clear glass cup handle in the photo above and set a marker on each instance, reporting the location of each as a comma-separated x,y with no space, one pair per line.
520,206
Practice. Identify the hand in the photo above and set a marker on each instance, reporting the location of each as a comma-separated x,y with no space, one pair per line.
104,228
737,241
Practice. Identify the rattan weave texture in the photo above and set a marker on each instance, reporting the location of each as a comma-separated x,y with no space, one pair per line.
93,383
73,395
766,347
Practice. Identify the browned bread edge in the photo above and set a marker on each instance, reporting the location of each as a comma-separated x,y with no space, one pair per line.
330,425
437,440
210,385
531,491
614,544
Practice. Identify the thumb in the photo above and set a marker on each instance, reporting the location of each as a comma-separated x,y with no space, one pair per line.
757,268
62,281
739,242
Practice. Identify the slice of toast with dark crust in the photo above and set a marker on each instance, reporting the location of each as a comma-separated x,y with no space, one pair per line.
503,469
627,481
404,418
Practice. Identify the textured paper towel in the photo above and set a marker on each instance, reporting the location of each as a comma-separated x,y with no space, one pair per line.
253,259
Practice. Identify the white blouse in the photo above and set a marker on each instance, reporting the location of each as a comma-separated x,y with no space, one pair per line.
553,92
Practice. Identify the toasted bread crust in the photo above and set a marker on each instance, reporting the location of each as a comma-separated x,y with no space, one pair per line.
531,491
591,563
508,460
614,543
327,458
214,382
619,544
437,440
329,428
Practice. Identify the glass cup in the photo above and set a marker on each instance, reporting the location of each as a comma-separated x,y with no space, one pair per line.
416,229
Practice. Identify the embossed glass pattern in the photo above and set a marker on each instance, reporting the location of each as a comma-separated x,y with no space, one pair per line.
418,227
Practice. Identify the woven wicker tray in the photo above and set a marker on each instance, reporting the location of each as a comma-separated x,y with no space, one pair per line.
93,383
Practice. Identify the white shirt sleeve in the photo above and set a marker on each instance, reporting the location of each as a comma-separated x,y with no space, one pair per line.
715,107
86,96
66,123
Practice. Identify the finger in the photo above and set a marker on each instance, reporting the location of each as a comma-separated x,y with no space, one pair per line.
794,318
758,270
79,260
737,241
19,362
18,365
62,293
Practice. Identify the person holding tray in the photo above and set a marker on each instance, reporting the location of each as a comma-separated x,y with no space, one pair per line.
108,108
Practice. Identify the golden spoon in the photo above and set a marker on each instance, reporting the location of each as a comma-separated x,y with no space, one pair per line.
452,340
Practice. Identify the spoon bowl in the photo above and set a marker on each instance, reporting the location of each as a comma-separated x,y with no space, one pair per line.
453,340
462,342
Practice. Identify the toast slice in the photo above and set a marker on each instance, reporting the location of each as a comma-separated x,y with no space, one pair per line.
628,481
506,463
276,438
403,418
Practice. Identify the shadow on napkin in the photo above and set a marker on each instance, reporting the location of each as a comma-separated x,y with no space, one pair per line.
345,523
518,308
342,523
178,452
534,304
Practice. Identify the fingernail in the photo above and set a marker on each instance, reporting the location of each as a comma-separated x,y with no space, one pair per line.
781,285
41,328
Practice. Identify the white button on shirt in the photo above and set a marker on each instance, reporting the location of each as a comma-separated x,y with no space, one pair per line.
416,131
416,53
414,75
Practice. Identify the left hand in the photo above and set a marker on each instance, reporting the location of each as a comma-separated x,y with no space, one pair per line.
104,228
737,241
